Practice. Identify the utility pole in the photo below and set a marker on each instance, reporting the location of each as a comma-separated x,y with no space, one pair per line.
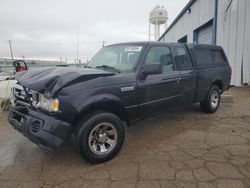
149,31
11,52
87,62
77,50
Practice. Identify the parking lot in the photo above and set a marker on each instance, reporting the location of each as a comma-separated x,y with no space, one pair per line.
184,148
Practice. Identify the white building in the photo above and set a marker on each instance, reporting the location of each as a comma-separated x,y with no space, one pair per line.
219,22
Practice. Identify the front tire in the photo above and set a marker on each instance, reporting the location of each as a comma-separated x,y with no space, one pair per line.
100,137
212,101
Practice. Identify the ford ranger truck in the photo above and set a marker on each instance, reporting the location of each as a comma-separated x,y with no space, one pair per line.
122,84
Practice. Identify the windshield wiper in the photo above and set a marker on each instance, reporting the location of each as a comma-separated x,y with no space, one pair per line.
106,67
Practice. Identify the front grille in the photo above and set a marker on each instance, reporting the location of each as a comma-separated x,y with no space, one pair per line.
19,96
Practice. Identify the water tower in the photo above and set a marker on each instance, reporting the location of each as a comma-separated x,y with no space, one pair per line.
158,16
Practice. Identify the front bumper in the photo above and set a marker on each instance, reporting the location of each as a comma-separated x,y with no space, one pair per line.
46,131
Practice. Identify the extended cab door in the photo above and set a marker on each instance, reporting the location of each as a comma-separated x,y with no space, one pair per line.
188,75
159,92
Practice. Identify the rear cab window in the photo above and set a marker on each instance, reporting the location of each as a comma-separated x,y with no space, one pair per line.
209,57
217,57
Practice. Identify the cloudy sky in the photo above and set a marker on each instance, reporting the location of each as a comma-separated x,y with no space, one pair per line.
47,29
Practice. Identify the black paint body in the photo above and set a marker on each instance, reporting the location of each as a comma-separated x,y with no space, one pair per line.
82,91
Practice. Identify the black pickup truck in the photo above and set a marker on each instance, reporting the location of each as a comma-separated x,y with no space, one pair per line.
122,84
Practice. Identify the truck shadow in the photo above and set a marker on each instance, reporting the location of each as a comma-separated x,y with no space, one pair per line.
157,127
141,143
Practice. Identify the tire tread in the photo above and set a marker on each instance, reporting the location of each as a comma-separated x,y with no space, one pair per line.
82,135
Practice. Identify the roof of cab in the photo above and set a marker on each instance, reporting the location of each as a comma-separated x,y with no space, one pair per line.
204,46
189,45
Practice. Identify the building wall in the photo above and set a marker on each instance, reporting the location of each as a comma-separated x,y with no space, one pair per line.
233,34
201,12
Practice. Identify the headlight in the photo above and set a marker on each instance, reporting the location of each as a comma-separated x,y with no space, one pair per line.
52,105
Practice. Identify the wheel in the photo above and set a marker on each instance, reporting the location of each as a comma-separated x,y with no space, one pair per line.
212,101
100,137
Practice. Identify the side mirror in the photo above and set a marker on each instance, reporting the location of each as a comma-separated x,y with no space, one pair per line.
150,69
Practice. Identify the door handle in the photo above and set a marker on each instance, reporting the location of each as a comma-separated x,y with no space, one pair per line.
177,79
168,79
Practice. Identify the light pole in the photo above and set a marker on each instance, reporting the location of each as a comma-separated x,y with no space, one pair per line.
77,49
11,52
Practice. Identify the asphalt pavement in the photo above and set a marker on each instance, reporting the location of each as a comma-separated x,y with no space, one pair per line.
181,148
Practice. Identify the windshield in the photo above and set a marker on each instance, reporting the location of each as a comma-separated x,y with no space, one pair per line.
119,58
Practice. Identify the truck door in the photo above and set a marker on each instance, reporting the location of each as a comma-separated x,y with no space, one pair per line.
160,91
188,76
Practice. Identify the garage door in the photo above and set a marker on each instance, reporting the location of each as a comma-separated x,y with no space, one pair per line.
205,35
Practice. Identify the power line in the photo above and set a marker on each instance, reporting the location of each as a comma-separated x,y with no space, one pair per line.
63,42
56,42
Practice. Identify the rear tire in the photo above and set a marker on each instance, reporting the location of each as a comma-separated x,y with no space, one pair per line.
212,101
100,137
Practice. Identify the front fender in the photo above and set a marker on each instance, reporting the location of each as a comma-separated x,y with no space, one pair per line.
101,98
103,102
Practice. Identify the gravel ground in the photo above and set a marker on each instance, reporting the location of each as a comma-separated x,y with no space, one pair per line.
184,148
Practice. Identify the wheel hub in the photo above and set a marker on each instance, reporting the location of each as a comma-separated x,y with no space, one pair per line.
214,99
103,138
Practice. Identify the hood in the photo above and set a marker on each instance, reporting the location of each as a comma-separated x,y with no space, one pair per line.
50,80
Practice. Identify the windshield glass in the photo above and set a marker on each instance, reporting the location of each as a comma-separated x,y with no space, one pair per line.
119,58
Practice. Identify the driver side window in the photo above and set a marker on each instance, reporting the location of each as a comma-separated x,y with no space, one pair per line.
162,55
